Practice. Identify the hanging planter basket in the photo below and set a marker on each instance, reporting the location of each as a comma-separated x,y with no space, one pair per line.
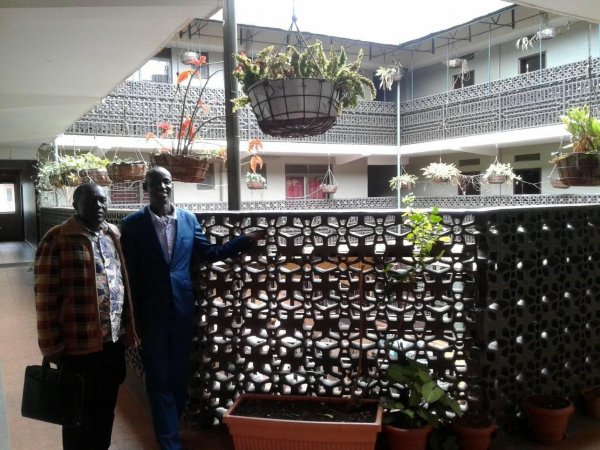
124,171
295,107
182,167
328,188
256,185
98,176
70,178
496,179
558,183
578,169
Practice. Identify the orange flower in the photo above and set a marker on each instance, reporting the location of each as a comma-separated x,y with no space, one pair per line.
254,146
166,129
150,135
185,128
256,162
198,61
184,75
203,106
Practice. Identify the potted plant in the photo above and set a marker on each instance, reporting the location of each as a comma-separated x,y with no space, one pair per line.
418,403
187,159
419,406
253,179
299,422
591,398
404,181
124,170
548,415
299,93
473,430
498,173
545,32
48,176
93,169
441,172
581,167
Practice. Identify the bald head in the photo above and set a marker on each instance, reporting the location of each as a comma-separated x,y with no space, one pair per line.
90,203
159,184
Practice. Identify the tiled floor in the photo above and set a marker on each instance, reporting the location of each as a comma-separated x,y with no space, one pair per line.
133,429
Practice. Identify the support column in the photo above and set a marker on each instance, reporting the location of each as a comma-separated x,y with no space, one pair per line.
232,126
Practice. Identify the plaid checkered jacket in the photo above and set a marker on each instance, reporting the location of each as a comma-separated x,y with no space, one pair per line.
66,296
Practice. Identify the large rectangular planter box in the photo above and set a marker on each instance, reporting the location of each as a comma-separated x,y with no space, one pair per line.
255,433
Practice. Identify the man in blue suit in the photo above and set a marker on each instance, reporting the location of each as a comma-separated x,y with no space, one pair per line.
159,242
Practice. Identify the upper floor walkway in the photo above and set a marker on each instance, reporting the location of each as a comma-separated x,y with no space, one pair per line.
534,99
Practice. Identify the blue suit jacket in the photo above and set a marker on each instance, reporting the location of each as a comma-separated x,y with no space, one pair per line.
162,289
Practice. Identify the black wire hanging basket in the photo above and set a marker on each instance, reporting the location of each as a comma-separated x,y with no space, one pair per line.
294,107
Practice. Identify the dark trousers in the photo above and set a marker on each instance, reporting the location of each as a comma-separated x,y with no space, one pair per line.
166,354
103,372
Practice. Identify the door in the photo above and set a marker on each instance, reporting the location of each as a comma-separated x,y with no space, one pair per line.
11,207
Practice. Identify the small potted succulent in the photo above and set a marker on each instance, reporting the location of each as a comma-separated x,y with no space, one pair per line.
499,173
581,167
442,172
404,181
299,93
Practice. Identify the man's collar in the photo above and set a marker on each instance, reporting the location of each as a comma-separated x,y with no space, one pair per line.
171,216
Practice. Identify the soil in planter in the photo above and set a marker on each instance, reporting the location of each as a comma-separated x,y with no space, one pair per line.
310,411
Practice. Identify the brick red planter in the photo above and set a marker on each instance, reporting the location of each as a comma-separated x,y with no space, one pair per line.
256,433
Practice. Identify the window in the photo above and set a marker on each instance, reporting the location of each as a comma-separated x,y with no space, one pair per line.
304,181
530,183
157,69
532,63
7,198
463,80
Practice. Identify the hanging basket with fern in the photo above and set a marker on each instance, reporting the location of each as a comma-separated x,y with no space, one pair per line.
299,93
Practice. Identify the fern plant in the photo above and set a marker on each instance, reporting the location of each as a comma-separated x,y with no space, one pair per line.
312,62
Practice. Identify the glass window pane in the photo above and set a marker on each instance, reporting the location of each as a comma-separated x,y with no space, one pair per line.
7,198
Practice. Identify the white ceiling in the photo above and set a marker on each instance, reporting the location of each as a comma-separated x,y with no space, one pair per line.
60,57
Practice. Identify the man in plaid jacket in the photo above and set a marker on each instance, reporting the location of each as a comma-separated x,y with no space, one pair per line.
84,311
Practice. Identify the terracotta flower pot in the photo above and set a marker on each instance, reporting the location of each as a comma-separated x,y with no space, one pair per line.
591,397
548,416
407,438
473,432
252,432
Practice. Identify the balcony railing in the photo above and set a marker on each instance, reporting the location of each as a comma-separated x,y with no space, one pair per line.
529,100
510,308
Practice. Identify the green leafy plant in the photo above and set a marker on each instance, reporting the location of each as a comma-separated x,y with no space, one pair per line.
441,172
255,178
309,63
498,169
584,129
420,399
403,181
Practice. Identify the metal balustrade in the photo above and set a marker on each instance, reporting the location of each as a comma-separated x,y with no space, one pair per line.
529,100
510,308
